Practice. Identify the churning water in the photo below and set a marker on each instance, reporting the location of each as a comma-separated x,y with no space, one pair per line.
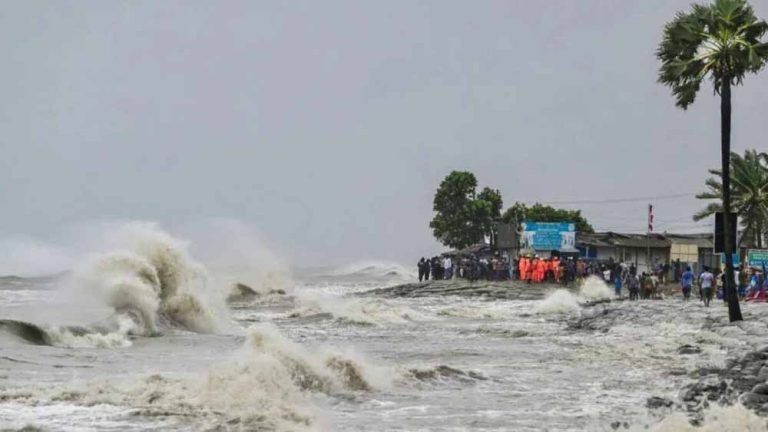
141,338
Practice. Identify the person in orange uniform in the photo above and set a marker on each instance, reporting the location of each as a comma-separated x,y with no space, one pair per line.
541,270
523,267
556,269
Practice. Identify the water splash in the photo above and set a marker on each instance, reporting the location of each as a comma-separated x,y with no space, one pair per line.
154,278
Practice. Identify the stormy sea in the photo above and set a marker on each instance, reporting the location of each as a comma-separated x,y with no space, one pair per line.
145,337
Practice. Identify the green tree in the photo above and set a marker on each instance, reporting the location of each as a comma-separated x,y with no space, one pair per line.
519,212
721,41
462,217
749,194
493,203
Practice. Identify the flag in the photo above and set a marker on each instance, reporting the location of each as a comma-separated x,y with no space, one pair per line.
650,218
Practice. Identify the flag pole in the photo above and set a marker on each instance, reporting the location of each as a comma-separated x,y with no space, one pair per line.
648,237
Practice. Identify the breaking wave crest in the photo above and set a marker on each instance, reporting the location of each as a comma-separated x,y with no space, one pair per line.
325,371
154,281
113,336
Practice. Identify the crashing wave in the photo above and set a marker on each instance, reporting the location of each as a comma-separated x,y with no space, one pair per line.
113,334
558,302
563,301
594,289
268,386
155,281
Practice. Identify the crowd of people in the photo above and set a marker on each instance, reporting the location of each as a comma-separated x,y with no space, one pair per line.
465,267
532,269
751,283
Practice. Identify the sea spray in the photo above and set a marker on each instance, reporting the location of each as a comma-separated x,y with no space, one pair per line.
594,288
234,252
154,278
558,302
563,301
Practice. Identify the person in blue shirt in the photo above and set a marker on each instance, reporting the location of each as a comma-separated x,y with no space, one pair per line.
617,285
686,282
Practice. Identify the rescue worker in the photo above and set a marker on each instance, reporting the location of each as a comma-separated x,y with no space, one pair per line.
523,266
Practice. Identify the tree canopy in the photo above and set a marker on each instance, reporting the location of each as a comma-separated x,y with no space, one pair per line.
749,191
463,217
519,212
721,41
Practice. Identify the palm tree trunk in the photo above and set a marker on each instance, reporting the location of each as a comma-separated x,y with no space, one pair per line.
734,311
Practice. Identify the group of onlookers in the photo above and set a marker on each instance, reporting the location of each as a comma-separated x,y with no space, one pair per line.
751,283
529,268
639,286
466,267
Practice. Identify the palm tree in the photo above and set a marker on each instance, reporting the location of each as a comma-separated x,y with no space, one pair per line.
722,41
749,194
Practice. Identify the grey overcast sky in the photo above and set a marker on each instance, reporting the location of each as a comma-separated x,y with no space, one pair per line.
327,125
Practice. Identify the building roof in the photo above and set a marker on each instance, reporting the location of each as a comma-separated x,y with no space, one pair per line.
702,240
655,241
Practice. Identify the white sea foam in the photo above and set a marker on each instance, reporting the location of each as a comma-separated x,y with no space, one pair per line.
366,311
716,419
266,386
594,288
558,302
116,337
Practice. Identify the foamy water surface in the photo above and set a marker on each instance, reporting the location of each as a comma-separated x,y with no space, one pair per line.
318,356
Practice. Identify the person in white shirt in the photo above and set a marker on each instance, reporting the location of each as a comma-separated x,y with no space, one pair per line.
448,267
706,282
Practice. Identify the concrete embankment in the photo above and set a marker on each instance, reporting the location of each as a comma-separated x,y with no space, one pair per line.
509,290
742,376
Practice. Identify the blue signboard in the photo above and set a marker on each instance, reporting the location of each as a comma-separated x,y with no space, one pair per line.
548,236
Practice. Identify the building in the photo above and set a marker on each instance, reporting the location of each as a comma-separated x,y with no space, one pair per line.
645,251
